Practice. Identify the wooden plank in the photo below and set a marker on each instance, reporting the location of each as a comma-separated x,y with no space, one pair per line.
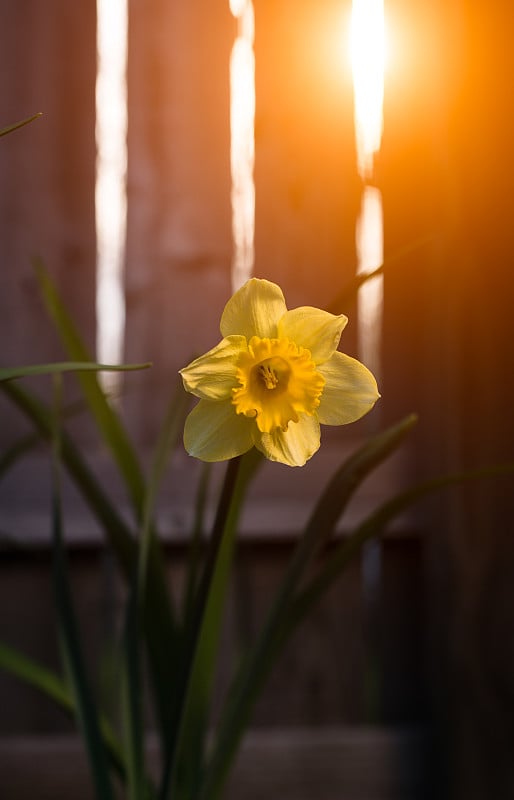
179,245
357,763
307,189
318,677
447,171
321,678
401,633
317,680
307,193
47,171
30,626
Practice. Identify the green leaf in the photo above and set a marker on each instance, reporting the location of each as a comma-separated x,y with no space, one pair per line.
257,665
16,125
9,373
25,444
197,538
374,525
159,615
116,530
68,633
36,675
108,421
342,486
202,632
16,451
132,717
160,632
167,439
164,637
53,687
349,293
131,683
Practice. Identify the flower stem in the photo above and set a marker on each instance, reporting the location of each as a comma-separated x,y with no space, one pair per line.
195,671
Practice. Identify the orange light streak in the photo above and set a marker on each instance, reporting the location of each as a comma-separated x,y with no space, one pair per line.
367,52
242,142
367,49
110,189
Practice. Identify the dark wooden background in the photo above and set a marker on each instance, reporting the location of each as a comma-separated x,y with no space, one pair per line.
426,645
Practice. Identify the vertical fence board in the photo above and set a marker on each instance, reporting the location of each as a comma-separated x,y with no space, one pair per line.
31,628
448,170
179,236
401,633
319,675
179,242
307,189
47,64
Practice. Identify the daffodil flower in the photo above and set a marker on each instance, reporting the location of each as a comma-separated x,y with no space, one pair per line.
273,378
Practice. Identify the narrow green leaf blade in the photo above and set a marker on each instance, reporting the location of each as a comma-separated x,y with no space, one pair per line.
16,451
349,477
37,676
349,293
108,421
9,373
168,437
374,525
52,686
198,532
68,633
153,604
159,615
116,530
255,668
158,621
25,444
202,632
131,702
16,125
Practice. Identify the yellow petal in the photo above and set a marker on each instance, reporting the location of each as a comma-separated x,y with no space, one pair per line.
214,432
313,328
292,447
350,390
213,375
254,310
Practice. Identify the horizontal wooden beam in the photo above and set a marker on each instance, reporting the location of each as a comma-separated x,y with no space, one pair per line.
363,763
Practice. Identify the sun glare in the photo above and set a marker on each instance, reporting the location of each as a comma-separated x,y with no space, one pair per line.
110,192
367,53
242,147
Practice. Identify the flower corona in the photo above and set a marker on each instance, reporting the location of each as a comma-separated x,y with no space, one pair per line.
273,378
277,381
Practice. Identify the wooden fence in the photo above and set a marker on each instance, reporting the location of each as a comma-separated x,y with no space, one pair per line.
429,641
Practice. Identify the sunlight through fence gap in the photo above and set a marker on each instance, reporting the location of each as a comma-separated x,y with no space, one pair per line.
370,255
242,142
367,51
111,172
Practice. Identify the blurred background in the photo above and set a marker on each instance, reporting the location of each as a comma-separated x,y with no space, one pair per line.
185,146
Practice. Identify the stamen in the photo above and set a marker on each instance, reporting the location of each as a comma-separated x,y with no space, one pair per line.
268,376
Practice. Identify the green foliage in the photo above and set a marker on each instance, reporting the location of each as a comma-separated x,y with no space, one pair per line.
179,642
9,373
181,645
83,705
21,124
